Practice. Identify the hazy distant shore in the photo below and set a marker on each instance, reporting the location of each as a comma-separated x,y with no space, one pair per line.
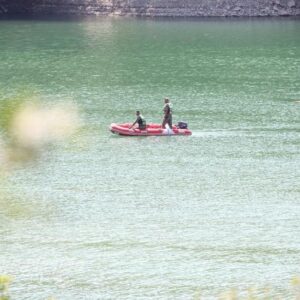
157,8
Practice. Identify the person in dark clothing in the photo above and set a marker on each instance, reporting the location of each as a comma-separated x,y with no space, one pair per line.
167,114
140,120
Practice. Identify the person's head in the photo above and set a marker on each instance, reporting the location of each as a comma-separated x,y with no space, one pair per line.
167,100
138,113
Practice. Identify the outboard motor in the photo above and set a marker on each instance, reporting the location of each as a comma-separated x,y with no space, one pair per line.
182,125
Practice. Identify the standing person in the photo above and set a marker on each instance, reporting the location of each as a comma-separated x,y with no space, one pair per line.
167,114
140,120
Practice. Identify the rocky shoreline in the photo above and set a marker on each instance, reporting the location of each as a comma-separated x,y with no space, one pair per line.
153,8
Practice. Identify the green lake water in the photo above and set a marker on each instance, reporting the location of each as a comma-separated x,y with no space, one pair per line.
108,217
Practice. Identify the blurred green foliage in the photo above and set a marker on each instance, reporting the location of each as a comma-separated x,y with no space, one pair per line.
10,105
4,283
28,126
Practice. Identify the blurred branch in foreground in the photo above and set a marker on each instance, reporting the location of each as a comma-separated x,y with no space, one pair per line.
28,127
4,283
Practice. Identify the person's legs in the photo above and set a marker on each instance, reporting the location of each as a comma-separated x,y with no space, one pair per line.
165,121
170,121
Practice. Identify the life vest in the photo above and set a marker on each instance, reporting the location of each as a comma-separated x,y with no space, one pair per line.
141,121
168,109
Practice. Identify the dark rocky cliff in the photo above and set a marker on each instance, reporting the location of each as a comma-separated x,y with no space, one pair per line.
186,8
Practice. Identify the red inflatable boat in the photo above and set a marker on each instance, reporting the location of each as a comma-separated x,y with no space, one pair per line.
151,130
